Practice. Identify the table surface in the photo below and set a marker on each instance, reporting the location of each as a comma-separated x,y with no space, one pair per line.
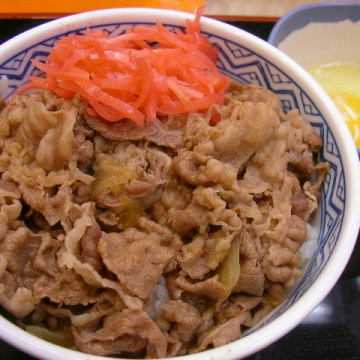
330,332
245,9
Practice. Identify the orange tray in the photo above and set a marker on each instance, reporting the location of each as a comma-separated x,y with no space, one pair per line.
55,8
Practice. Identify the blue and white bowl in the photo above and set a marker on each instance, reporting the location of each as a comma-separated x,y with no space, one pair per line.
247,59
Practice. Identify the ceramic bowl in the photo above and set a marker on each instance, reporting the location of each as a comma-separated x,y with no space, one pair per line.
322,33
247,59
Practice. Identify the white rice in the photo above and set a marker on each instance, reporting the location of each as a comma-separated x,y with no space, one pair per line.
307,250
158,296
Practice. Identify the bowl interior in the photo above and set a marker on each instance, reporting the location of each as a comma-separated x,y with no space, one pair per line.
248,60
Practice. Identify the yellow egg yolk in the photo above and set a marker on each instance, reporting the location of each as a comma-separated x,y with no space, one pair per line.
342,83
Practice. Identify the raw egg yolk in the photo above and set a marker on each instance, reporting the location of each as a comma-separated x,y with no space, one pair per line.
342,83
349,107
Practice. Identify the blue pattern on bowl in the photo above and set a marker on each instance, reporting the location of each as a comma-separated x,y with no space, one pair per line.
243,65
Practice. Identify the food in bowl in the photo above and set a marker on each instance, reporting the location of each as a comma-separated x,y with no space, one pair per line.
342,83
136,75
119,160
162,240
156,239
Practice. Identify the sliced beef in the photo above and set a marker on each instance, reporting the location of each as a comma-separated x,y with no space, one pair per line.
137,259
154,131
222,334
125,332
185,317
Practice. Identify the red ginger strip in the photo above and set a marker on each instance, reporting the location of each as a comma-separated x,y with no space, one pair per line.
125,77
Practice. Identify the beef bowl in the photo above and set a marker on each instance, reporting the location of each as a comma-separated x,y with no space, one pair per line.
192,194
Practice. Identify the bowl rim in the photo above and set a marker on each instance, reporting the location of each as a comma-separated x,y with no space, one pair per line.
326,280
